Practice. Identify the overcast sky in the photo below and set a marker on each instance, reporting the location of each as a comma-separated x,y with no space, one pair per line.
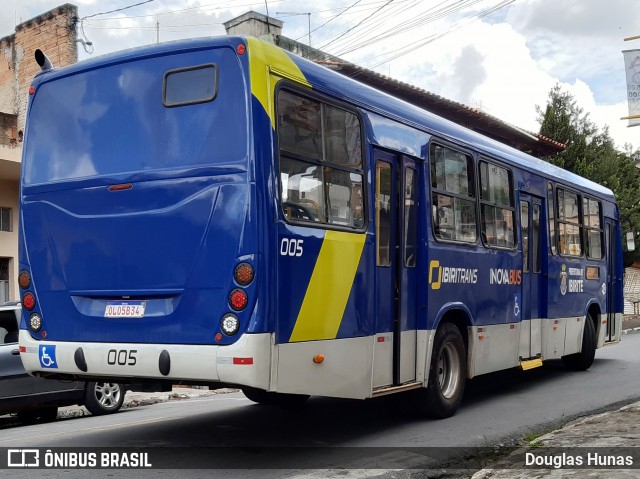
502,56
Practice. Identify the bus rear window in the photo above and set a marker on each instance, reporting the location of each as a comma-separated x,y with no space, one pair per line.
187,86
111,120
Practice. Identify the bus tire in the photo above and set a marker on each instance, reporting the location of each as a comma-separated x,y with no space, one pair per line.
261,396
584,359
447,374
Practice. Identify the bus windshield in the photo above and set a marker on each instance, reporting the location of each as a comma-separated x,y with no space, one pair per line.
153,114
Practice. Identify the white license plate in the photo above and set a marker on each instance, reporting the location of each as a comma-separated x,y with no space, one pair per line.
125,309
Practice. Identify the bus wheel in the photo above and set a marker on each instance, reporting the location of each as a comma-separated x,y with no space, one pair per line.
584,359
447,374
261,396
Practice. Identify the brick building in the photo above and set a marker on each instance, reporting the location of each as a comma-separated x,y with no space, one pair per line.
53,32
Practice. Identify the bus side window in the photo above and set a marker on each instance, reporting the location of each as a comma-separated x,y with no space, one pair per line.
453,194
524,219
321,175
497,206
551,214
569,237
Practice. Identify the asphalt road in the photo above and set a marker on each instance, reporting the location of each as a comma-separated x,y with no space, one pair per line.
497,409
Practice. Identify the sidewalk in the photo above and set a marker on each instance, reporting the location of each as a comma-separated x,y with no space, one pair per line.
608,433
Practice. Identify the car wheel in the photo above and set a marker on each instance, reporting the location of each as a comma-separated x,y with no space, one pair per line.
35,416
103,398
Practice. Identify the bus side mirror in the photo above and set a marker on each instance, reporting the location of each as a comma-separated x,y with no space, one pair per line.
631,243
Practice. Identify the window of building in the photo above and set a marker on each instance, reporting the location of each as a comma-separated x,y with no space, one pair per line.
569,240
497,205
592,228
5,219
4,280
453,195
320,162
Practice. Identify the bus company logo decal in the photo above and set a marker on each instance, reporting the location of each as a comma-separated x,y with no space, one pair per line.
571,280
505,276
439,275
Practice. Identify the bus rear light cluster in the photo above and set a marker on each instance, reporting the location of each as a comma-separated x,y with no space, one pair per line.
29,301
24,280
238,299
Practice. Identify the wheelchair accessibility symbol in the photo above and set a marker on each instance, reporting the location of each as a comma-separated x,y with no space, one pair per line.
47,355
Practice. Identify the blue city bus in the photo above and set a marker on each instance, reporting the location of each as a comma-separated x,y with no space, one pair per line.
220,211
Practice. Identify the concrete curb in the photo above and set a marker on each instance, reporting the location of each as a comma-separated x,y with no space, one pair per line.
138,399
632,330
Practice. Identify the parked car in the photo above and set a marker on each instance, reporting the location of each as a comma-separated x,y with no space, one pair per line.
36,399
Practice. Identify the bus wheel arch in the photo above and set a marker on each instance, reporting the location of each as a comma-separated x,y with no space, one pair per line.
442,396
584,359
260,396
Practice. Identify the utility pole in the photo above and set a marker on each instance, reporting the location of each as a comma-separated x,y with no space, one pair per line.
308,14
157,31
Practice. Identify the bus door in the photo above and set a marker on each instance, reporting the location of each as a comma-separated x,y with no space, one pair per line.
532,301
610,252
396,207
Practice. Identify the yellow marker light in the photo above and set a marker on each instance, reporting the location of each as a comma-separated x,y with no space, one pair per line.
318,358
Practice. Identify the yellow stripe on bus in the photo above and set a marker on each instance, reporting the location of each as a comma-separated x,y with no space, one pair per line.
265,58
329,288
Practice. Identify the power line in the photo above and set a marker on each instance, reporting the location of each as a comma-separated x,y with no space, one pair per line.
437,12
328,21
88,45
117,10
414,46
373,27
352,28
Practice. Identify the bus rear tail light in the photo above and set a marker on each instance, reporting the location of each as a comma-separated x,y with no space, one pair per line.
243,274
238,300
29,301
35,322
24,280
230,324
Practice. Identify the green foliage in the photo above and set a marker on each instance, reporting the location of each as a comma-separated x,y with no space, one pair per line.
592,153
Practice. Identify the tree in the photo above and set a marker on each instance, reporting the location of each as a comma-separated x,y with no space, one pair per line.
592,153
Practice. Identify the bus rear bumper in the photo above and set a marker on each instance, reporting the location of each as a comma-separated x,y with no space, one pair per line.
246,362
